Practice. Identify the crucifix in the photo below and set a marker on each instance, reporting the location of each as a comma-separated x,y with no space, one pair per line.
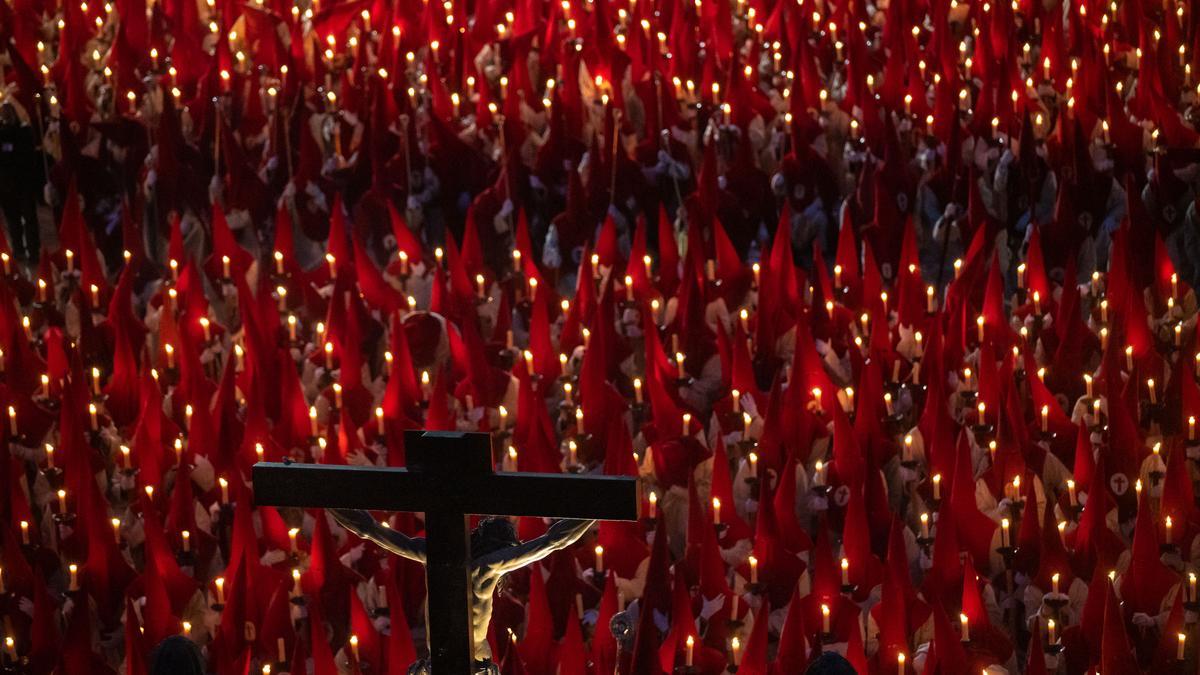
449,477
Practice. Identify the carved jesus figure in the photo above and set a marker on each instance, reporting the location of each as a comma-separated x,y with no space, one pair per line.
495,551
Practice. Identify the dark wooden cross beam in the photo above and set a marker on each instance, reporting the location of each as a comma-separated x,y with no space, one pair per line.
449,477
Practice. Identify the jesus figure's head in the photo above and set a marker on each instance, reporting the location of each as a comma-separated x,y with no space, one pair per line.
491,535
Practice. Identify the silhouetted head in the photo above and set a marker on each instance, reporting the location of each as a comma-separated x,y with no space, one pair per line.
830,663
491,535
176,655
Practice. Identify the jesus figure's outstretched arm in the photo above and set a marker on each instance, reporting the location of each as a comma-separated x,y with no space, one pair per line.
561,534
364,525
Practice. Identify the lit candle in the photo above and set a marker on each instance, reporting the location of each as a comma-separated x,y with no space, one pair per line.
379,420
1045,418
937,486
845,571
753,569
1071,496
924,525
187,540
1087,382
1150,388
1168,532
312,420
1004,532
637,390
825,619
74,570
62,501
900,660
653,505
1182,646
930,302
116,528
716,505
966,627
1051,638
691,646
979,327
599,559
1129,358
25,532
354,647
679,363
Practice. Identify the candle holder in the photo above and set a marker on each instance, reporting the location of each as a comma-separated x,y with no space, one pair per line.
1008,553
753,483
686,670
895,424
1053,649
720,528
381,612
755,588
64,519
915,389
1192,605
849,589
14,665
326,379
1046,437
821,490
910,464
1153,412
969,396
1168,549
54,476
1074,511
507,358
186,559
1156,477
828,638
925,542
638,412
50,403
983,432
96,439
685,381
650,523
1056,603
599,577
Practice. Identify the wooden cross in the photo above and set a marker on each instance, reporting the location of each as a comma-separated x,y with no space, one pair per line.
449,477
